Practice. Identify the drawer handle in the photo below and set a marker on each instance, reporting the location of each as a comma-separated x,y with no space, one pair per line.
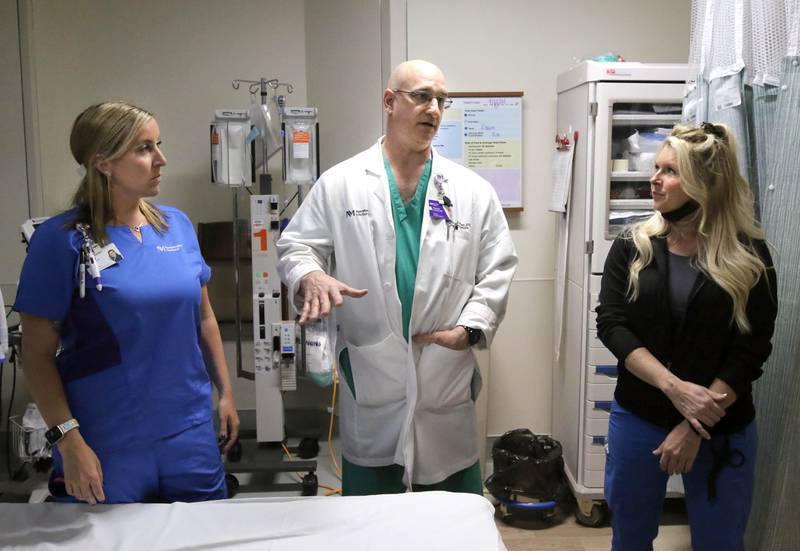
605,405
598,440
607,370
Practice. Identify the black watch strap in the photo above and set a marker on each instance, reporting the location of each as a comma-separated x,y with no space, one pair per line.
473,335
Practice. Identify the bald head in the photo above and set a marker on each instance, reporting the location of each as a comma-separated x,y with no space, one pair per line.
411,119
409,71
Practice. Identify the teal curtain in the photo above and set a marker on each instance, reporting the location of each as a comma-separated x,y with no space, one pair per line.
758,55
775,519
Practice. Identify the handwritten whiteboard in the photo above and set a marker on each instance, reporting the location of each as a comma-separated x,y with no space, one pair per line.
483,131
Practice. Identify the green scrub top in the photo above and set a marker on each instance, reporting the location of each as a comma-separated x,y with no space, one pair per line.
408,232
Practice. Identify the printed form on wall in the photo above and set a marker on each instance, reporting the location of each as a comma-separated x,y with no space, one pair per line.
483,131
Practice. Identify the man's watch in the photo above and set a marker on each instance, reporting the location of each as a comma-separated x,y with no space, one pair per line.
56,433
473,335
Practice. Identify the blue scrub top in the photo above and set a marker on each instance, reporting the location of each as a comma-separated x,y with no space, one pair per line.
130,362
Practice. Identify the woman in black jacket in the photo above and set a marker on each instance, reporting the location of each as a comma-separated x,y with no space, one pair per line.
687,305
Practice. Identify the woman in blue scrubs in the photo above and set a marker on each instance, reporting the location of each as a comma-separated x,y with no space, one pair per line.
121,346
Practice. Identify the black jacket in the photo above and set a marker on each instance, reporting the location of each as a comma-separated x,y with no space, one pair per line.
707,345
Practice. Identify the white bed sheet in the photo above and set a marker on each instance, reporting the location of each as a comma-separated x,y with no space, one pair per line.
412,521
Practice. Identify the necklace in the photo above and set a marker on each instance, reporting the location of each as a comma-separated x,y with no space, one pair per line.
137,228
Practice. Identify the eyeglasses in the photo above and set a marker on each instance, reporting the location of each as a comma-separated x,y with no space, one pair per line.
420,97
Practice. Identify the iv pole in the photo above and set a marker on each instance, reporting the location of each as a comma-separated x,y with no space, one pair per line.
264,183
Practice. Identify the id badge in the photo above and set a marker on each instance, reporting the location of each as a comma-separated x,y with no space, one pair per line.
107,256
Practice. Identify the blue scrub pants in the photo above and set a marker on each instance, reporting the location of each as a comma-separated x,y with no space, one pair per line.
635,486
183,467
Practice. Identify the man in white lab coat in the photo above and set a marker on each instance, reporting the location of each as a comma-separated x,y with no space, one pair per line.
421,248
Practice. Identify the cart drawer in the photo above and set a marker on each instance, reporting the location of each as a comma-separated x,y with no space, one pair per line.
594,461
601,356
598,409
595,443
594,342
603,373
600,391
593,479
596,426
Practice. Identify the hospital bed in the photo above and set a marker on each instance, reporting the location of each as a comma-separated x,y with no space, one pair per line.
424,521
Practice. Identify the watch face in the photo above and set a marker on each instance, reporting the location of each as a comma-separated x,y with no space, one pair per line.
473,335
53,435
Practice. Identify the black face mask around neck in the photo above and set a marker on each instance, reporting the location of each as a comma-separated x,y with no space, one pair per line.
681,212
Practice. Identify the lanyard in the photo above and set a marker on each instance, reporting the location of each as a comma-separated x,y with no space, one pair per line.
88,263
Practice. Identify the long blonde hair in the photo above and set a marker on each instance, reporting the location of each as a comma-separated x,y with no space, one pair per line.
725,221
108,129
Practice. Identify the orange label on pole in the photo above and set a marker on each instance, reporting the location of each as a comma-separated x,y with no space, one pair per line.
263,239
300,136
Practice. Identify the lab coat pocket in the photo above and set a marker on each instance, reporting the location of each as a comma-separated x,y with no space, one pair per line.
379,371
445,377
462,256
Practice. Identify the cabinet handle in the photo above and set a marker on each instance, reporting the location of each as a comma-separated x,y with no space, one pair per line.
605,405
607,370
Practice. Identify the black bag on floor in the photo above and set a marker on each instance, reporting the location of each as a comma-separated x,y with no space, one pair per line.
529,465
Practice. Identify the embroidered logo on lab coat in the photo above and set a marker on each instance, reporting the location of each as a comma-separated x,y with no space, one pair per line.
357,212
169,248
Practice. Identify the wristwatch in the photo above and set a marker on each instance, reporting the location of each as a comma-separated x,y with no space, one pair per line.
56,433
473,335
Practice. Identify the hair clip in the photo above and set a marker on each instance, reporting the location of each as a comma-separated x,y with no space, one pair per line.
713,129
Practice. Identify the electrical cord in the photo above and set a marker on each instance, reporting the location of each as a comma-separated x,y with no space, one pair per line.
332,490
8,424
299,479
330,425
8,455
13,362
289,202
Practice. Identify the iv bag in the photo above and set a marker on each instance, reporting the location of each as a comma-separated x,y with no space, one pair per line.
319,353
229,153
300,145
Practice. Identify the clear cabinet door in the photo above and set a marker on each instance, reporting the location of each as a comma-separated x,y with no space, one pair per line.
632,121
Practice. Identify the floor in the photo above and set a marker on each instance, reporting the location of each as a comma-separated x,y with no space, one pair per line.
567,535
524,535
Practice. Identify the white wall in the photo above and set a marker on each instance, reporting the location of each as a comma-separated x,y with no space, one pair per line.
523,45
13,182
176,58
343,71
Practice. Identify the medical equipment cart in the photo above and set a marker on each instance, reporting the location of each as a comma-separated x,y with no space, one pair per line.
611,108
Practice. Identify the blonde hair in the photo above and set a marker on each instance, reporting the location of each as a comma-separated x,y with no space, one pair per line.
108,129
725,220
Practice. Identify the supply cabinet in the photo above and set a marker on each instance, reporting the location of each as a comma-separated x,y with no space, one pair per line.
619,111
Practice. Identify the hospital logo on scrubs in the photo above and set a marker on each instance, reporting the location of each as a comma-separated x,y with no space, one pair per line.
169,248
357,212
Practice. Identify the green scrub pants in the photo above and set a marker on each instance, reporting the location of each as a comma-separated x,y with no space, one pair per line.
362,481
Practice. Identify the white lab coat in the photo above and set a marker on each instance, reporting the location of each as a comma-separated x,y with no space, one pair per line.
413,404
